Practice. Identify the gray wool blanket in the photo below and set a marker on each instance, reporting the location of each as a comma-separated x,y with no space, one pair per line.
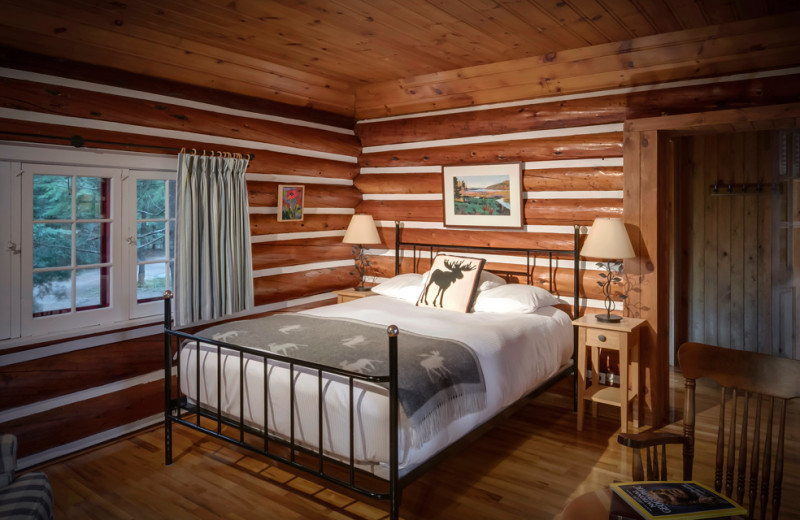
440,380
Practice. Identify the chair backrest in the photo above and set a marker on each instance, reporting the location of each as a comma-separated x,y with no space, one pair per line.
752,416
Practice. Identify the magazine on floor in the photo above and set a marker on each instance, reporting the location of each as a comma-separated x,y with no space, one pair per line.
676,499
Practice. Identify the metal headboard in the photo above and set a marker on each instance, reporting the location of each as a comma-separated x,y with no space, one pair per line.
527,251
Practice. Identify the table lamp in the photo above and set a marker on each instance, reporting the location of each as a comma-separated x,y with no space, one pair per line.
360,231
608,240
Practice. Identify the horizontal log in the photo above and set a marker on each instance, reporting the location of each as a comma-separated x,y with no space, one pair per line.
269,254
412,210
536,211
72,422
53,376
269,225
554,179
399,183
283,287
573,179
33,62
566,147
580,112
265,194
73,102
285,164
497,238
31,132
570,211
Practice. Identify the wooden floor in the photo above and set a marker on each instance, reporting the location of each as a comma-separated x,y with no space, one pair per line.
526,468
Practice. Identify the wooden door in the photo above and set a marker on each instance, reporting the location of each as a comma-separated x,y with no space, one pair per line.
742,248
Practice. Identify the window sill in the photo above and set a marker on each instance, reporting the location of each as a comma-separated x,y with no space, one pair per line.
40,340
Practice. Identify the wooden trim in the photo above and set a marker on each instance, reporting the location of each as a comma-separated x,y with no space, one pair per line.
698,120
40,63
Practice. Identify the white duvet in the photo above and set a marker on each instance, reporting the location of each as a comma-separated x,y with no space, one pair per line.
517,353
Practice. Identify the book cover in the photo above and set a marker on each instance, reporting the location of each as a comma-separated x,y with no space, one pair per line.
676,499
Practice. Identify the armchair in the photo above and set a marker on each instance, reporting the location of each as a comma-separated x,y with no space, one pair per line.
28,496
755,389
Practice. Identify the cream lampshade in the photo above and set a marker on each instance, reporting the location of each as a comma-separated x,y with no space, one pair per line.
608,240
361,231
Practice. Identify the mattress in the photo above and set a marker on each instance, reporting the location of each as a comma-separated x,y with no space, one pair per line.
517,353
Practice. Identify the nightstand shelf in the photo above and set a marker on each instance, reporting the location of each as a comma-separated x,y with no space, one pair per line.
622,337
346,295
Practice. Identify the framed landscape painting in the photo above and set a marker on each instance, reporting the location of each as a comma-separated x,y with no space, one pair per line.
483,196
290,203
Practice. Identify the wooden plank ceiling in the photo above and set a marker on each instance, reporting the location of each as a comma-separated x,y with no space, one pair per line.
317,53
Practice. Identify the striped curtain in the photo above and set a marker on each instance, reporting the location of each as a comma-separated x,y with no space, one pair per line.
213,264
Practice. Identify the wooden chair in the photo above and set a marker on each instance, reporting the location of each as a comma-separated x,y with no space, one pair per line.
763,384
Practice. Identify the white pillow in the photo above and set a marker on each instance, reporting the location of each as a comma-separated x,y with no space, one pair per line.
487,281
514,298
403,286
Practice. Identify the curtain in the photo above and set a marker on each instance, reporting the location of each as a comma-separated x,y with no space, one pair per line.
213,264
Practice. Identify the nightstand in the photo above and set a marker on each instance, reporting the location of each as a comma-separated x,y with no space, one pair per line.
345,295
623,337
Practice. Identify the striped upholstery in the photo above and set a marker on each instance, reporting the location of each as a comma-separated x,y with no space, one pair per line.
8,458
27,497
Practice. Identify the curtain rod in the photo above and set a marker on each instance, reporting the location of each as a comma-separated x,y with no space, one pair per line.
79,142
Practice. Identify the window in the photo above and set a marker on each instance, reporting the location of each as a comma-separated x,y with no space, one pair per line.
154,257
71,239
84,245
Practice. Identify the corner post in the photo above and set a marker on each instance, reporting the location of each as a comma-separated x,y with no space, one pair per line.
397,247
394,408
576,302
167,377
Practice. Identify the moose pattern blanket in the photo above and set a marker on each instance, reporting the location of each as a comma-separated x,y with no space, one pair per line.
440,380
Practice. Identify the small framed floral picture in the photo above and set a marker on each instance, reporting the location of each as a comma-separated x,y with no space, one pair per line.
290,203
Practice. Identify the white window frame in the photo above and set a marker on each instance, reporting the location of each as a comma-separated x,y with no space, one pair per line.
18,163
139,310
10,243
114,312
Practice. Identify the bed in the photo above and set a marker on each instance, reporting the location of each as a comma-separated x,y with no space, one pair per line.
382,389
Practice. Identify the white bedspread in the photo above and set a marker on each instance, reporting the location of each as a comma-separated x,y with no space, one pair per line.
517,353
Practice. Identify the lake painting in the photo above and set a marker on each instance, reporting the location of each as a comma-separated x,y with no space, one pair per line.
482,195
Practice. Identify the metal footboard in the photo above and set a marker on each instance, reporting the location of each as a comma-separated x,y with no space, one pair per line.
179,410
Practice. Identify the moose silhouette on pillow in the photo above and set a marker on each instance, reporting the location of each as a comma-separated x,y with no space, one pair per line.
451,283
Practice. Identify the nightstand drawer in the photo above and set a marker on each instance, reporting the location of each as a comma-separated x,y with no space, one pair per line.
605,338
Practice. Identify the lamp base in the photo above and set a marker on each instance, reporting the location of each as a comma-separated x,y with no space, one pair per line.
361,288
608,318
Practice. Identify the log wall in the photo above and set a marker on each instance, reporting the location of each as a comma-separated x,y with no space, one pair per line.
573,173
59,396
572,155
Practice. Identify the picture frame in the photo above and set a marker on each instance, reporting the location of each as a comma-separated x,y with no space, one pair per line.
291,198
488,195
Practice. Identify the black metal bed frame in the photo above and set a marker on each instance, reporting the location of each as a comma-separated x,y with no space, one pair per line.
179,410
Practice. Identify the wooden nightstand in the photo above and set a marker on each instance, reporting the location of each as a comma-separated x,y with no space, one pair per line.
345,295
623,337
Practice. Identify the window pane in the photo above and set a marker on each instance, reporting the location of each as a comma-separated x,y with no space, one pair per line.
91,288
52,292
150,241
172,238
91,246
150,199
171,199
151,281
52,245
92,197
52,197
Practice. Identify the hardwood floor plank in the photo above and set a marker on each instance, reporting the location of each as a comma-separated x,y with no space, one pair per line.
528,467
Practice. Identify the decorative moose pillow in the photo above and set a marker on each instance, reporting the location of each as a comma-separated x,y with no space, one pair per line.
451,283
